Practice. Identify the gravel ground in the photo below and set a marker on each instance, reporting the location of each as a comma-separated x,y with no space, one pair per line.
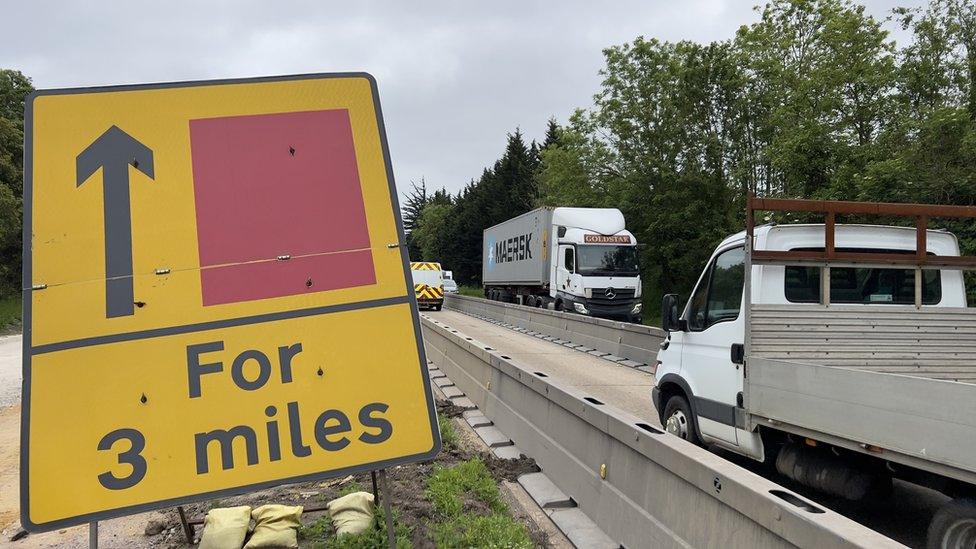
10,369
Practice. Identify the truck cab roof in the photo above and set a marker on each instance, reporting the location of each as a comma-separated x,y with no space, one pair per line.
811,235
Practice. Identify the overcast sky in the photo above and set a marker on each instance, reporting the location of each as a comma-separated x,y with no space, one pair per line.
454,76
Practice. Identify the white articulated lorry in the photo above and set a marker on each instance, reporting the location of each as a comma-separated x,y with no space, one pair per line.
844,354
582,260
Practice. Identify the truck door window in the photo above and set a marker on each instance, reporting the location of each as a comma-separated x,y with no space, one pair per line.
719,297
570,260
862,285
725,291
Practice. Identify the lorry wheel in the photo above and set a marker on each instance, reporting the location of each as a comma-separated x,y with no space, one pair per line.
678,419
437,307
954,525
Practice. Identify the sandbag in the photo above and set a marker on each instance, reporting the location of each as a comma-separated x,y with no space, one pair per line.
275,526
352,513
225,528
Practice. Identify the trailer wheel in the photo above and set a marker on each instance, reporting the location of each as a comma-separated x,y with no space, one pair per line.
954,525
679,420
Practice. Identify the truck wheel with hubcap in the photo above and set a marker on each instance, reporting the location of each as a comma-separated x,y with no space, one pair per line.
678,419
954,525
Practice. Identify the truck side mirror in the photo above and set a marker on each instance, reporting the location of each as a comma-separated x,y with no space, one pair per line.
670,317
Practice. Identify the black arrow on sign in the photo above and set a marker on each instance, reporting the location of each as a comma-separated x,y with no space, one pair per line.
114,151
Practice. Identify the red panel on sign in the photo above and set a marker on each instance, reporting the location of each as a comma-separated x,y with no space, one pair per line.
278,185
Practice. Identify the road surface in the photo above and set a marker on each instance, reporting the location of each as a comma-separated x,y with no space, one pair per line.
625,388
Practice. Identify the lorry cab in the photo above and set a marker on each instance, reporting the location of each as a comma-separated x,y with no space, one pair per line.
594,268
700,376
428,284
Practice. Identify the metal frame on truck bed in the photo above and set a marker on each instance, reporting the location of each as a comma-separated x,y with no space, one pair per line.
897,382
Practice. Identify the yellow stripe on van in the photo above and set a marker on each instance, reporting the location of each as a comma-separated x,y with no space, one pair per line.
424,266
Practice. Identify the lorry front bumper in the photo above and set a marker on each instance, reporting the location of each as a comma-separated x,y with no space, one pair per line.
624,309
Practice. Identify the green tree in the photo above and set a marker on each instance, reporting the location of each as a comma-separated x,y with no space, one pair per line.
552,134
811,100
576,170
413,206
820,75
938,67
432,235
14,88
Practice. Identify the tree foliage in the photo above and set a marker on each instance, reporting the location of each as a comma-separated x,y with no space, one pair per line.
14,88
812,100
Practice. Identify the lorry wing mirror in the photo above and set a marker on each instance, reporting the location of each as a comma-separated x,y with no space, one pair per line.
670,317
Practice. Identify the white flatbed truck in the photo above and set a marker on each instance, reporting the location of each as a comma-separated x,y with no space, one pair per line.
845,354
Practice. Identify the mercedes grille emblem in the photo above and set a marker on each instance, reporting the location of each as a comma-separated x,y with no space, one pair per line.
610,293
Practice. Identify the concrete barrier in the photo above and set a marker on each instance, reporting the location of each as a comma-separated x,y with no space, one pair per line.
643,487
631,341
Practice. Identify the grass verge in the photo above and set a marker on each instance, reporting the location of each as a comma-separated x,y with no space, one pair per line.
471,291
466,510
319,534
469,511
10,312
448,434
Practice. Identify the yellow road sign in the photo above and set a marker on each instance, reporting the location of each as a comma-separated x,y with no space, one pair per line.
208,269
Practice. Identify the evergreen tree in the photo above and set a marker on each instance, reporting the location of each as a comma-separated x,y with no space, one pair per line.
410,212
552,134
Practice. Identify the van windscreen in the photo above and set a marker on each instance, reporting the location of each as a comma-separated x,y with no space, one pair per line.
430,278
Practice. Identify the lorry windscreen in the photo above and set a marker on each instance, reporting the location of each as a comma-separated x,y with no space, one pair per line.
865,285
606,260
